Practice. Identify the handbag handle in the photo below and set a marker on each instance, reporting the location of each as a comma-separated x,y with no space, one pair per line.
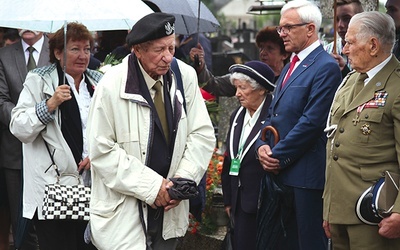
73,175
53,164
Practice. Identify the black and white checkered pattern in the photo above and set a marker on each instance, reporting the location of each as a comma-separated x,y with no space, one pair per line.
63,202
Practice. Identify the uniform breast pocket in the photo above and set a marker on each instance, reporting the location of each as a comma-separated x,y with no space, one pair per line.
336,112
369,125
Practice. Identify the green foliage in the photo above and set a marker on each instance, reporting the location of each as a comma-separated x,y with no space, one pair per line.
213,111
110,59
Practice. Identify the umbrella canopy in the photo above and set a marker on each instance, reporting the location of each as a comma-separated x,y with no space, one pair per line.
186,13
50,15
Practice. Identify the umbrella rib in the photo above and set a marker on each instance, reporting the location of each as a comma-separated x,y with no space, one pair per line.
186,25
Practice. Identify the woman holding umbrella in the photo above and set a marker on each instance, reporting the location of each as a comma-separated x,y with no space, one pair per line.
50,119
242,172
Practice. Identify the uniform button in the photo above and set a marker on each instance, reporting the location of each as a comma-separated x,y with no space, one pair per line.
366,116
335,157
275,115
337,144
341,130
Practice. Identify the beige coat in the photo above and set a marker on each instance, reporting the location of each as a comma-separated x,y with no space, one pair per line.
119,128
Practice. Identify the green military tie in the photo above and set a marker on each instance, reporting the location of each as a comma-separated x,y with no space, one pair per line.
359,84
159,104
31,61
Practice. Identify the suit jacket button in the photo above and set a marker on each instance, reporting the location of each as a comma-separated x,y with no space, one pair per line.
335,157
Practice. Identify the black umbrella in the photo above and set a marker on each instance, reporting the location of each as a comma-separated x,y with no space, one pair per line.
188,17
274,206
183,189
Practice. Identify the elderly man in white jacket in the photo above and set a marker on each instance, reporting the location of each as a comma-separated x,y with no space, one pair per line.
132,157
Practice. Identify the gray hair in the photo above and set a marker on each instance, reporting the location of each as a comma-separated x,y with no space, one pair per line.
308,12
245,78
377,24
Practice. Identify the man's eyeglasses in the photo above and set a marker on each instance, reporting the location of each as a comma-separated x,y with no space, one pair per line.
286,29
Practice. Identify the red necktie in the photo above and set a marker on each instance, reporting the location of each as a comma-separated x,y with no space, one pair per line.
295,59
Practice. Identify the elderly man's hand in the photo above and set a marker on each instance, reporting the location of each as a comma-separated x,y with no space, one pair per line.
390,227
172,204
269,163
163,199
327,229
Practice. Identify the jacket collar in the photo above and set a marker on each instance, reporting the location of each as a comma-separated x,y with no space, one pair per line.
304,64
237,126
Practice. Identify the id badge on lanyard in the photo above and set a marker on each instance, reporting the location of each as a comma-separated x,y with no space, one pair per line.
235,166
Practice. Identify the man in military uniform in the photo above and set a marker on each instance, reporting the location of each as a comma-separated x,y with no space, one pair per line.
363,130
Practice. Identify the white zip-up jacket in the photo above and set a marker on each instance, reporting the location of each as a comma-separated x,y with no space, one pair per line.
39,86
119,128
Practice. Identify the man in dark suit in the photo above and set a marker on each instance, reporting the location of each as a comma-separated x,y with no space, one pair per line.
13,70
298,112
364,137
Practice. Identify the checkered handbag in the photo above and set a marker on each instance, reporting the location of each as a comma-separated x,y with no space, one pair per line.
66,202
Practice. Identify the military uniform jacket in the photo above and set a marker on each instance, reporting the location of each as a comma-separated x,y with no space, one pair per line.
364,141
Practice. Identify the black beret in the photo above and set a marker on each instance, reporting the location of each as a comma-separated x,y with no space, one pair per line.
258,71
151,27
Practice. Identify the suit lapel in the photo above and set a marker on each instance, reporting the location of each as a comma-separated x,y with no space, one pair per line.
255,131
308,61
236,132
20,62
44,53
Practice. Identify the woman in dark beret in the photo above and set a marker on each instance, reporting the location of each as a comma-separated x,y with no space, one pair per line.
242,172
